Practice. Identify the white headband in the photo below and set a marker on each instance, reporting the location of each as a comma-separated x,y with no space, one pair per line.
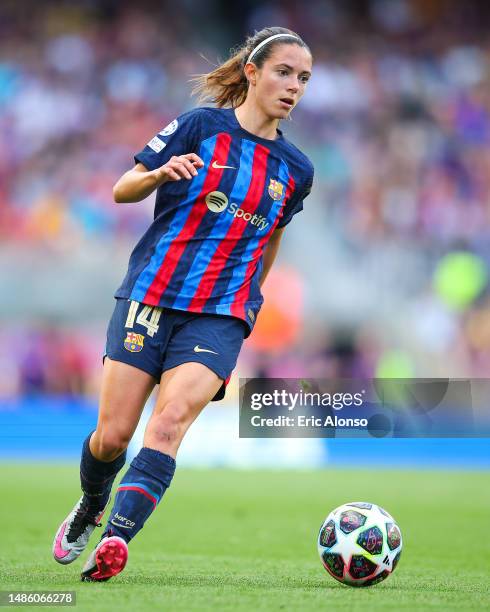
264,42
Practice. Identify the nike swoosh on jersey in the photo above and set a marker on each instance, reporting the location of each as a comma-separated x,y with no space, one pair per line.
217,166
198,349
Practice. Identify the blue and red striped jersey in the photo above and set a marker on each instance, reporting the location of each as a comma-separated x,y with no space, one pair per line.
203,251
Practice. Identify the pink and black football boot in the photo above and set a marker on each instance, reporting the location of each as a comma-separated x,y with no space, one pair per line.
74,532
107,560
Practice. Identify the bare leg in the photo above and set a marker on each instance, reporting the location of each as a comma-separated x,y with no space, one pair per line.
184,392
125,390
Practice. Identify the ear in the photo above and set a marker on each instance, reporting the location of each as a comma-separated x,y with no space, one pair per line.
251,73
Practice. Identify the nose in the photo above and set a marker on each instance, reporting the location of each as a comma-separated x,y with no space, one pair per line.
294,85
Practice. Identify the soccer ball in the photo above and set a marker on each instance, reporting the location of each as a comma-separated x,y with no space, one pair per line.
359,544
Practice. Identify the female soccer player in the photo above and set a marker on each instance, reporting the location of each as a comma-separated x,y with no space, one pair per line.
227,183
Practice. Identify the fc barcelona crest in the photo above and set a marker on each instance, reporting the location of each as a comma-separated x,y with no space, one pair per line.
275,189
134,342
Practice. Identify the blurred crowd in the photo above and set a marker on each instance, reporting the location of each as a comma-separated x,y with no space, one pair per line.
396,120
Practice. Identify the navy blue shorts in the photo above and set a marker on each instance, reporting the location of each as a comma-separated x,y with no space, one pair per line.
157,339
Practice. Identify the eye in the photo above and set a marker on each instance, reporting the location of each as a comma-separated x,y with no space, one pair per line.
282,72
304,78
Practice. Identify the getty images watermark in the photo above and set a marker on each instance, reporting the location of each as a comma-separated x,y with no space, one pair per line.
305,399
360,408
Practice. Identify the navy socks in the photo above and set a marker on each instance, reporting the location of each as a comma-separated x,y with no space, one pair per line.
96,477
141,488
139,492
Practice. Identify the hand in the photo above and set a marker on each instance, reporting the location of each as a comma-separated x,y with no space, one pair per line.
177,168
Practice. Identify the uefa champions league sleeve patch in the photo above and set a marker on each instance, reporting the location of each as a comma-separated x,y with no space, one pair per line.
170,128
156,144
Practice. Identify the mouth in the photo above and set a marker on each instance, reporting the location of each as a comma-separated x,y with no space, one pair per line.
287,102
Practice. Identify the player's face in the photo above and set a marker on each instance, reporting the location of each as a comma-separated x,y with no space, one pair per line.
282,80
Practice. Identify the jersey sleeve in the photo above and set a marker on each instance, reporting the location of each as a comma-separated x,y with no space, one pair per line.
295,202
180,136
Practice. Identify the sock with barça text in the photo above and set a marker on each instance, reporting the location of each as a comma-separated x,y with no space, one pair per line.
139,492
96,477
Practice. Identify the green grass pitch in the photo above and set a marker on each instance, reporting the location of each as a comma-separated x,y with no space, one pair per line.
246,540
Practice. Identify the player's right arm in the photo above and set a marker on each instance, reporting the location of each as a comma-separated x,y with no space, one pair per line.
139,182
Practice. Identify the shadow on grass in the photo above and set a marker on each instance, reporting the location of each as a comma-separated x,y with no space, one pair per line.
231,580
71,581
288,583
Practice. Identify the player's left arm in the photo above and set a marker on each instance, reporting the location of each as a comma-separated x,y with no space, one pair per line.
270,253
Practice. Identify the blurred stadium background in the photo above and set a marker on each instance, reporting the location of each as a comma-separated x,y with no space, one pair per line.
385,273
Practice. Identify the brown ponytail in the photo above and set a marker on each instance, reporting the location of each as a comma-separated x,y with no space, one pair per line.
227,84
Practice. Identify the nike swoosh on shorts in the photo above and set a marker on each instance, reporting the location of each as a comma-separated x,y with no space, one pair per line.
198,349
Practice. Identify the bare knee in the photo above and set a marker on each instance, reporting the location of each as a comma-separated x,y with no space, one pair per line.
167,427
107,443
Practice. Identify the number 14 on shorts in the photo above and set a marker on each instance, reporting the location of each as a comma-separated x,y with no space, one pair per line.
149,317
